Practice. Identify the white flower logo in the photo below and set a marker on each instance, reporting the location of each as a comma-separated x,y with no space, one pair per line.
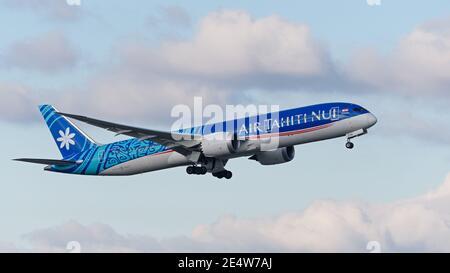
66,138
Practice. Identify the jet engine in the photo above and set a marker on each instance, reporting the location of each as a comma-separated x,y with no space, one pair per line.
278,156
220,144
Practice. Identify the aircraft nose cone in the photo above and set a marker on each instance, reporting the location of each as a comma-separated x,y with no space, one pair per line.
371,119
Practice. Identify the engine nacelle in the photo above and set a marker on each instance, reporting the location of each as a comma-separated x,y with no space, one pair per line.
220,144
278,156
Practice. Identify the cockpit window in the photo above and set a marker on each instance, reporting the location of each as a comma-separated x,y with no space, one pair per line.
357,109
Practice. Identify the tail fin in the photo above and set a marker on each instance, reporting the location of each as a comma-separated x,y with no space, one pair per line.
68,137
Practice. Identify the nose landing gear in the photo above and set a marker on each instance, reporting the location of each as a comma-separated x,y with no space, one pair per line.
357,133
349,144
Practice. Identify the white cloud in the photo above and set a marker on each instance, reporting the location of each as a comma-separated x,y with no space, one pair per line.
230,53
323,226
122,93
420,63
6,247
416,125
49,52
234,43
417,224
227,47
92,238
229,44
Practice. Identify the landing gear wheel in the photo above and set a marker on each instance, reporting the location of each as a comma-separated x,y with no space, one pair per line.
223,174
196,170
349,145
228,174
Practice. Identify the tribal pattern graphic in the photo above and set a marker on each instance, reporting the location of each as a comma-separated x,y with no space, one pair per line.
124,151
100,158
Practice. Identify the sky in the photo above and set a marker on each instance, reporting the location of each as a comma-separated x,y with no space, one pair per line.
132,61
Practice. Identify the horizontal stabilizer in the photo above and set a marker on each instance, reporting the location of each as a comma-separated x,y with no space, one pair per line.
50,161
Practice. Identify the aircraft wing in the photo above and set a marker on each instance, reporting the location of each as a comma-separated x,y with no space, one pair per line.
181,143
49,161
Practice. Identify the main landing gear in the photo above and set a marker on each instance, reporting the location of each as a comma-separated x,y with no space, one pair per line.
203,170
222,174
196,170
214,166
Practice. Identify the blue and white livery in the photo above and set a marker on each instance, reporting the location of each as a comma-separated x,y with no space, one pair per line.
199,148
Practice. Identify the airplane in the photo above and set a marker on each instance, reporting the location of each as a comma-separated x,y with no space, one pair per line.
198,148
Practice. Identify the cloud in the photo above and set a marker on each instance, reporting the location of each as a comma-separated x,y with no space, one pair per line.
93,238
235,50
419,224
230,54
57,10
49,53
17,103
120,94
419,64
231,47
228,49
6,247
412,225
416,126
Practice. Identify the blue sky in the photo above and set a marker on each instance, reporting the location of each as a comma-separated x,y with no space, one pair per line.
112,59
